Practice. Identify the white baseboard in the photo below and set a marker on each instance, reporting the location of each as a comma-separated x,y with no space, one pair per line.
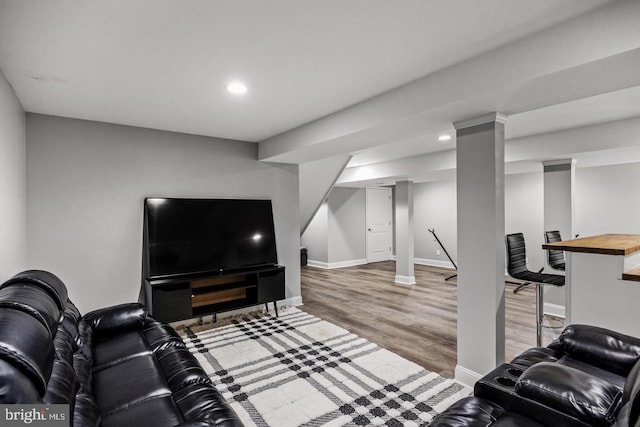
466,376
354,262
554,310
405,280
294,301
349,263
433,263
339,264
317,264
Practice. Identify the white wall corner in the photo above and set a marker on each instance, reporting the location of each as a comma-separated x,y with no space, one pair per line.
339,264
348,263
405,280
433,263
317,264
466,376
294,301
556,310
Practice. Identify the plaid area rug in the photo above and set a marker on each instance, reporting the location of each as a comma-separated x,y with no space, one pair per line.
299,370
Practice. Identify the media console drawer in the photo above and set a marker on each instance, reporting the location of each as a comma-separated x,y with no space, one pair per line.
170,303
271,286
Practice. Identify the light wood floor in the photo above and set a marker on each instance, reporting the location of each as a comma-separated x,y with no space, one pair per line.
417,322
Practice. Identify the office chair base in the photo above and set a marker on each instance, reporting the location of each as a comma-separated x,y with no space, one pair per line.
521,287
547,324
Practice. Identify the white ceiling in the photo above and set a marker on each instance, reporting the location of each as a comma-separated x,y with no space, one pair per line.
164,63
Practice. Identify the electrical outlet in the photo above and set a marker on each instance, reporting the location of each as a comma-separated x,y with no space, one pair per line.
437,251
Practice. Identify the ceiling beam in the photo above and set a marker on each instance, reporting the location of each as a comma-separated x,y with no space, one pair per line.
602,144
556,65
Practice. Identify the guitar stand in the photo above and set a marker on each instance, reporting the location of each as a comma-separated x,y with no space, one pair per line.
432,231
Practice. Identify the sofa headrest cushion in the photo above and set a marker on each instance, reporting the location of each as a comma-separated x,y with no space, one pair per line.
609,350
111,320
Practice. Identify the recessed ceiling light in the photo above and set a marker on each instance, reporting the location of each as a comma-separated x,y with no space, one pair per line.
445,137
237,88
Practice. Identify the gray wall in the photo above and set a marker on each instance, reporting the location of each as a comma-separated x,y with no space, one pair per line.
87,181
524,213
347,225
337,231
13,183
559,197
316,180
315,237
435,208
607,200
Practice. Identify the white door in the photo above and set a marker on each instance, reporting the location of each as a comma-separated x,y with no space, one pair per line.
379,231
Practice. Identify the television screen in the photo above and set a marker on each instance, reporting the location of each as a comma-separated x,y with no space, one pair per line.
186,236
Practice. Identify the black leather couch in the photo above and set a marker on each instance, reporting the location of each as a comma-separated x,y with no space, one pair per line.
114,366
589,376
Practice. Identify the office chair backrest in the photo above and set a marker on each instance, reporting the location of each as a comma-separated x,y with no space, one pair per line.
516,254
555,258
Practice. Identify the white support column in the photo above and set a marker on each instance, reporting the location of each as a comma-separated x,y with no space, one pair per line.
481,247
559,190
404,233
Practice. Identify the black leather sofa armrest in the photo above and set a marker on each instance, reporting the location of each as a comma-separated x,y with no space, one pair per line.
571,391
609,350
470,411
16,387
117,318
45,280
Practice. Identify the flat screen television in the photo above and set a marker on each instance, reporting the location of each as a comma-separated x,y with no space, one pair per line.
189,236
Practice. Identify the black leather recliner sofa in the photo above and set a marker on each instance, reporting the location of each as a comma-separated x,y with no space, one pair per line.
589,376
114,366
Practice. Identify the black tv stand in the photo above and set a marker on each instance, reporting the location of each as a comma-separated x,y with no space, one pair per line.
173,298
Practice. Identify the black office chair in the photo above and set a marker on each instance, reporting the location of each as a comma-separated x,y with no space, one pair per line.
517,263
555,258
517,268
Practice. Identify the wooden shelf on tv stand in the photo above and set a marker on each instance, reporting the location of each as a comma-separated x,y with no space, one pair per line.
171,299
218,297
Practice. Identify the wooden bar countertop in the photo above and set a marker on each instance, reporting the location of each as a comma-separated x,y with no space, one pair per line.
606,244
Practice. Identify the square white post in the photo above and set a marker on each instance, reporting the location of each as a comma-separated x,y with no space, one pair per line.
404,233
481,247
559,190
